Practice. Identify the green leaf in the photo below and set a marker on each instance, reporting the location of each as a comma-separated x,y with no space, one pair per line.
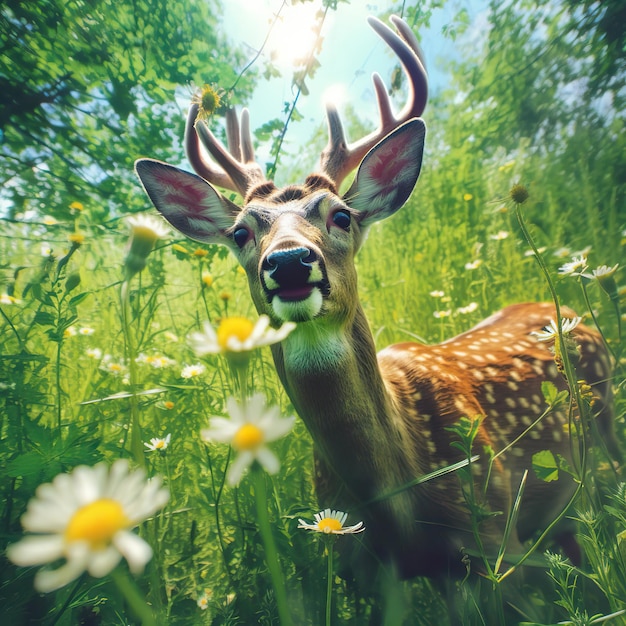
545,466
44,318
553,396
27,464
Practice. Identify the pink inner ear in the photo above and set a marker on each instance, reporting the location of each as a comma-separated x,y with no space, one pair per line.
179,190
390,160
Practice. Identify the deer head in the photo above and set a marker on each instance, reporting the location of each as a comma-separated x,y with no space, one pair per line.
297,244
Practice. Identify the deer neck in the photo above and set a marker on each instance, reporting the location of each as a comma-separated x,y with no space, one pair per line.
331,374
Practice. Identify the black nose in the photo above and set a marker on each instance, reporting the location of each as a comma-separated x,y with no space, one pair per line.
290,267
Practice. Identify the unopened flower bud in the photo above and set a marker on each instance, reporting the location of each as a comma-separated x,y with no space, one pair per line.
145,233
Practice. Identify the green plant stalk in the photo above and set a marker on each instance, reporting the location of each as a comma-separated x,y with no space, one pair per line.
574,395
136,444
271,553
132,595
330,544
595,321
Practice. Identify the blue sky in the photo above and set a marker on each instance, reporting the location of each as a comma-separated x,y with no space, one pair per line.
351,51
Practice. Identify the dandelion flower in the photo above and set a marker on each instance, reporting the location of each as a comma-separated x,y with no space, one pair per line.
237,334
159,445
208,100
77,239
467,197
331,523
551,332
191,371
86,518
251,426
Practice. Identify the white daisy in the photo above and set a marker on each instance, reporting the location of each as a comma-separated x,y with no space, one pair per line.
331,522
5,298
574,267
94,353
551,332
470,308
442,314
86,517
602,272
499,236
159,445
238,334
472,265
191,371
248,430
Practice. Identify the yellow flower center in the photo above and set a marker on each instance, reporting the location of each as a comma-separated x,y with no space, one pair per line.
328,524
239,327
248,437
209,99
97,522
160,444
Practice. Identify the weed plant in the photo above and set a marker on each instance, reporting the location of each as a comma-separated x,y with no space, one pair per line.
95,363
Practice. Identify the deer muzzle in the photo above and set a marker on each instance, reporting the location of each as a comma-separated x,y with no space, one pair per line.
295,282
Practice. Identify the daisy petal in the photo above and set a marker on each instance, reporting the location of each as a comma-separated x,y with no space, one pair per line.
36,550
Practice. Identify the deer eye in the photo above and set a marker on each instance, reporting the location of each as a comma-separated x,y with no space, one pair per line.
342,219
241,236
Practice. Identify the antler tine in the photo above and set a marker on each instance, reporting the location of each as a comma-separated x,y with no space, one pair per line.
202,167
338,158
232,171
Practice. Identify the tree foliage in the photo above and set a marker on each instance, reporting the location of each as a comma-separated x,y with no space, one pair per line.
89,85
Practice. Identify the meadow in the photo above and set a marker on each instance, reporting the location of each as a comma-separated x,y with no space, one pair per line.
96,365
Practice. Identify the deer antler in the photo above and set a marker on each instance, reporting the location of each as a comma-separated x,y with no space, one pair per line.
236,168
338,158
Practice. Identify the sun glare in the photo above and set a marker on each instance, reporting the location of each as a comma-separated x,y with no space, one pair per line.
294,35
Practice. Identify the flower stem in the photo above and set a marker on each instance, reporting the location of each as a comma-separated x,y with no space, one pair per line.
135,428
271,553
329,583
133,596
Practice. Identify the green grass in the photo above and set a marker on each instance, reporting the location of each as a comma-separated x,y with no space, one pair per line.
57,409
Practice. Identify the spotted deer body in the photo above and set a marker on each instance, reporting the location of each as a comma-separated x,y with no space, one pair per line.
379,421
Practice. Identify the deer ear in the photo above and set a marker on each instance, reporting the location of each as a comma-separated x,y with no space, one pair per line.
388,173
187,202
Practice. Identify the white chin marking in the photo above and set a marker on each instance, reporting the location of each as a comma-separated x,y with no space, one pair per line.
298,310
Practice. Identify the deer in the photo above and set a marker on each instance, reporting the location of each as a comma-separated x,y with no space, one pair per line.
379,420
